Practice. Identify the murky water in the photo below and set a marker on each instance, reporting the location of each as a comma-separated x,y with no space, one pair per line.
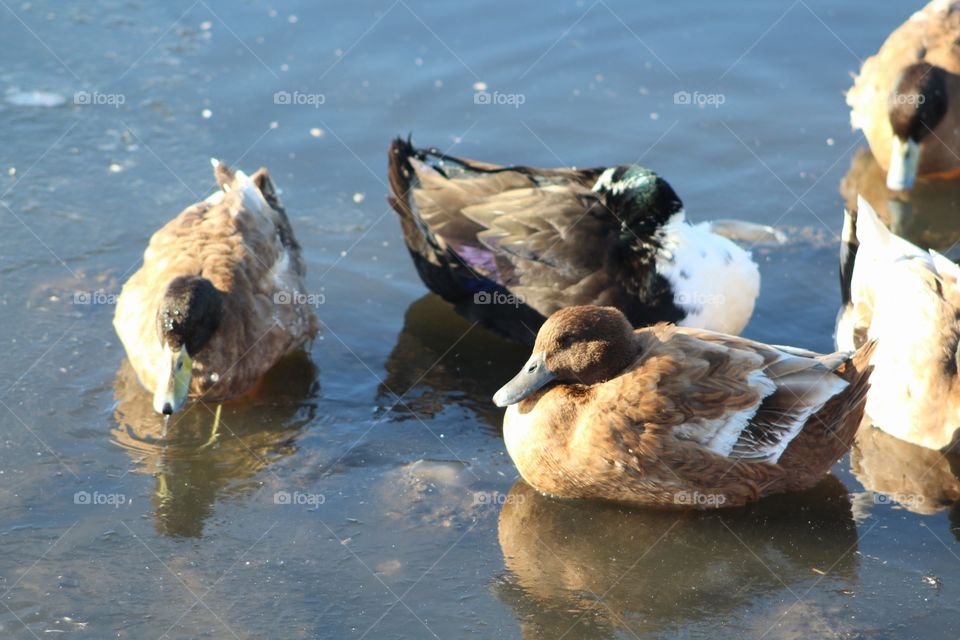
365,492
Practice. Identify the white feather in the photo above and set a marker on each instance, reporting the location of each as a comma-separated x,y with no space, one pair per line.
252,198
731,427
714,280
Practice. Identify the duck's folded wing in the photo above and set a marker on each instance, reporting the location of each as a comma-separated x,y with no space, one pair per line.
731,396
559,227
540,233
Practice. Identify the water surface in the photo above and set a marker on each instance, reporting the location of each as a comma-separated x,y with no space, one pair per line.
366,491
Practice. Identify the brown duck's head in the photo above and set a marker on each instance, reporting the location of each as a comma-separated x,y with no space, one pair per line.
189,315
577,345
916,107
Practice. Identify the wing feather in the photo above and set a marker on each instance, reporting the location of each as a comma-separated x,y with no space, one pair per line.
735,397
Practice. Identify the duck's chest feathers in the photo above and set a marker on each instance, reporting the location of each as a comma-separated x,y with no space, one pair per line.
520,433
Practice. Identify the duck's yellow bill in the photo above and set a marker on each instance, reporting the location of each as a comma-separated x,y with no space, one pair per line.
176,370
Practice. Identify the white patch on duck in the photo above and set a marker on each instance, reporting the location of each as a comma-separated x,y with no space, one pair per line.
280,271
726,429
902,317
714,281
253,200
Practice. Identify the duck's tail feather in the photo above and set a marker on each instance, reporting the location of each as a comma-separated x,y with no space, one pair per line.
856,370
402,176
223,173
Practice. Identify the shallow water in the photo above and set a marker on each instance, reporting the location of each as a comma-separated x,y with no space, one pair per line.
365,492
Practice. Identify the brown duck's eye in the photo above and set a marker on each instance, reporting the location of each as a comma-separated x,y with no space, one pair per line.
565,340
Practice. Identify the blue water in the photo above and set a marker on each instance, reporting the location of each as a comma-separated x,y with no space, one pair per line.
403,519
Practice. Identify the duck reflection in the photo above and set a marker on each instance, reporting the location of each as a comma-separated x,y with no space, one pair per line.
604,569
191,470
926,215
920,480
441,356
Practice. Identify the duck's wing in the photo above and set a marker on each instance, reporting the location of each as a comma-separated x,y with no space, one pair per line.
733,397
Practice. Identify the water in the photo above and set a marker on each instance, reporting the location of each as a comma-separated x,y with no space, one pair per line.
366,492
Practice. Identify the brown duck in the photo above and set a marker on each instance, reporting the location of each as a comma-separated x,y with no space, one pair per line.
904,98
220,296
676,417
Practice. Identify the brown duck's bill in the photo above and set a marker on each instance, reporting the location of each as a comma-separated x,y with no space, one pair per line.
533,376
904,163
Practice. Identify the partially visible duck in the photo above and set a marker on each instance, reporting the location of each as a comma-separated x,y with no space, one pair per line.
539,240
220,297
676,417
906,97
908,300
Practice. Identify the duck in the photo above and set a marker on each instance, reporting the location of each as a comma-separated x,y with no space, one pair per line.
220,297
908,299
905,98
510,245
674,417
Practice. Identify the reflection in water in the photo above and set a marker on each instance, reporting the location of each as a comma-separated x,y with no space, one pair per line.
440,358
600,567
919,479
254,432
925,215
